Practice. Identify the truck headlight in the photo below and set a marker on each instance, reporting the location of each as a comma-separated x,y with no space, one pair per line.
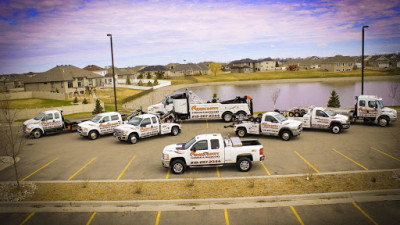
166,156
85,129
127,131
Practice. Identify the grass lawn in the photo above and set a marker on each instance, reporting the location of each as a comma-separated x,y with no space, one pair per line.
107,96
33,103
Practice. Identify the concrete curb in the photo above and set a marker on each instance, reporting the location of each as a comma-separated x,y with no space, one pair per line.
202,204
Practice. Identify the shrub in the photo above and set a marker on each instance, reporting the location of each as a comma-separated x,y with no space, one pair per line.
155,81
75,100
149,84
148,75
85,101
140,83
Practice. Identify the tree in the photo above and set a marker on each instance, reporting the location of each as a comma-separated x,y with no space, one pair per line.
140,76
12,138
149,84
140,83
85,101
97,108
275,95
215,68
293,68
155,81
148,75
160,74
334,101
128,80
276,64
75,100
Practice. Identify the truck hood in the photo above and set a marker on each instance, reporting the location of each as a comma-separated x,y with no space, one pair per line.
340,117
88,124
389,110
291,123
31,121
175,149
155,108
125,127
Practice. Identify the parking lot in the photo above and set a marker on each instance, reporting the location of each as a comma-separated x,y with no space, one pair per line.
71,157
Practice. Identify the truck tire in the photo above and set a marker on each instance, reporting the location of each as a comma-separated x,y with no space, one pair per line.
297,114
93,135
286,135
178,166
383,121
37,133
133,138
241,115
336,128
175,131
291,114
241,132
244,164
227,117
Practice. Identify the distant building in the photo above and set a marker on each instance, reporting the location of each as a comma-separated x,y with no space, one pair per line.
96,69
339,64
249,65
189,69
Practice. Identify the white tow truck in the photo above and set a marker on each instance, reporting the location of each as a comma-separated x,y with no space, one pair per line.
371,109
51,121
321,117
269,123
142,126
212,150
101,124
187,105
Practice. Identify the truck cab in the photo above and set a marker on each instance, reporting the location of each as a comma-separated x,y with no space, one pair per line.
270,123
48,121
143,126
370,108
101,124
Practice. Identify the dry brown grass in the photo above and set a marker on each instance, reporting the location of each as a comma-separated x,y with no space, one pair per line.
192,188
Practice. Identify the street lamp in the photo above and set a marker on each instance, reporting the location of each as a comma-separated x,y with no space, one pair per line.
112,59
362,61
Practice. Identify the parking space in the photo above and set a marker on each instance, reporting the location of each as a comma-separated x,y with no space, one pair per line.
71,157
381,212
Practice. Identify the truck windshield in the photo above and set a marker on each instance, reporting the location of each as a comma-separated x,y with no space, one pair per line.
39,117
280,117
135,121
329,112
189,143
380,103
96,119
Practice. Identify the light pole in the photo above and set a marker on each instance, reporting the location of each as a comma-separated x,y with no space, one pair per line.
112,59
362,61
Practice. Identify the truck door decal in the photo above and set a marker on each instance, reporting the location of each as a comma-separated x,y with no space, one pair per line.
204,155
204,111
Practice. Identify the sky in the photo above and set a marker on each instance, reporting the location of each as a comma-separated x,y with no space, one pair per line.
37,35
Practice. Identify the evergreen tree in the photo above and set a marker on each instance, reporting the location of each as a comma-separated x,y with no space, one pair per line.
75,100
148,75
98,108
149,84
85,101
334,101
128,80
140,83
155,81
140,76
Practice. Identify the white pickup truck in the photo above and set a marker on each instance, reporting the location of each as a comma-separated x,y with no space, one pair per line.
101,124
270,123
142,126
321,117
207,150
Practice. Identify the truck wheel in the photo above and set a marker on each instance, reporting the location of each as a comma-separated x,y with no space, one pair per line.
227,117
383,122
244,164
93,135
297,114
241,132
336,128
241,115
37,133
286,135
174,131
290,114
178,166
133,138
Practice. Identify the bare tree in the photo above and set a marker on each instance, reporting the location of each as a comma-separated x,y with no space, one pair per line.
12,139
394,85
275,95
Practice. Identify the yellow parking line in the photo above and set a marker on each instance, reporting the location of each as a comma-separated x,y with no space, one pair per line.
365,214
265,168
158,217
297,215
91,218
27,218
207,123
308,163
226,216
83,167
169,171
358,164
385,154
126,167
218,172
39,169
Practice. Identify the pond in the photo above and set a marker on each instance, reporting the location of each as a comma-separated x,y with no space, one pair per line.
298,94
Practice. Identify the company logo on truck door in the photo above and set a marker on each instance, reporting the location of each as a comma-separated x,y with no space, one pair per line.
204,108
204,112
195,155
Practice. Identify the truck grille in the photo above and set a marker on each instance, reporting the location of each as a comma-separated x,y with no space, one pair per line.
118,132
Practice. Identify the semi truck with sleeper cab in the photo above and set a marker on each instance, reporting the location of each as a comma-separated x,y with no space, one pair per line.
212,150
51,121
143,126
101,124
269,123
187,105
321,117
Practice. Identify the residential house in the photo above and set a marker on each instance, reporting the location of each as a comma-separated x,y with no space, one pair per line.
121,74
338,63
243,66
152,70
382,61
264,64
64,79
96,69
189,69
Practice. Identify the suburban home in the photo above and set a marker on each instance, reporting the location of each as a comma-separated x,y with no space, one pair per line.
243,66
64,79
152,70
96,69
382,61
177,70
121,74
265,64
339,64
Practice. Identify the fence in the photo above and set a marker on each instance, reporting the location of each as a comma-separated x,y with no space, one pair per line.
32,94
